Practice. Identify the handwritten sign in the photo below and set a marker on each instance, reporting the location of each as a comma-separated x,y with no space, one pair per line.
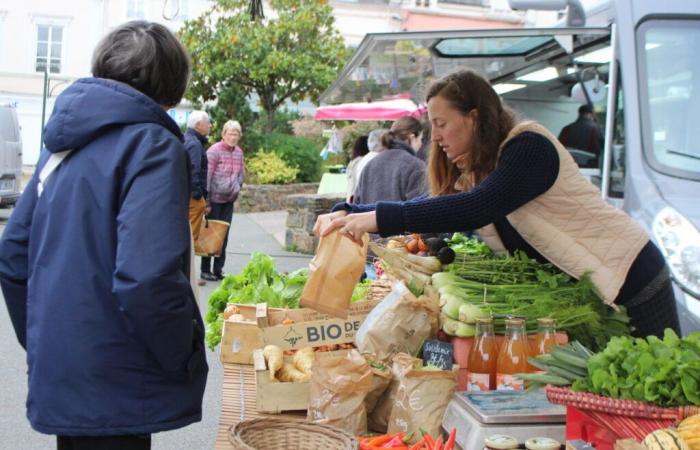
438,353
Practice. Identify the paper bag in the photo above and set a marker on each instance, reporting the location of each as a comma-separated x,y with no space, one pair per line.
211,238
333,273
421,400
381,377
400,323
337,390
378,418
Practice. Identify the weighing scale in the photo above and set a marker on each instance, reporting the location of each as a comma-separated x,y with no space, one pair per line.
521,414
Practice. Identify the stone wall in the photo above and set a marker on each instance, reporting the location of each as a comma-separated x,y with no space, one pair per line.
270,197
302,212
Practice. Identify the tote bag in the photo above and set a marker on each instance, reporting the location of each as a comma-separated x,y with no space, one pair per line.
211,238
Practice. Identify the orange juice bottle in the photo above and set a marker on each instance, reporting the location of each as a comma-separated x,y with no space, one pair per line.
544,340
513,357
481,366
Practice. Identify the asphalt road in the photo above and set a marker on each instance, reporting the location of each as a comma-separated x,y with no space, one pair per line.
247,235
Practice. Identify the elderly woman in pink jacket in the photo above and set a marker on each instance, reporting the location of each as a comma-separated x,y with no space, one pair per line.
225,176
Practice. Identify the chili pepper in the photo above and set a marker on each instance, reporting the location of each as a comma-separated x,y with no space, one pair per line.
408,437
429,440
395,442
418,445
438,444
380,440
450,444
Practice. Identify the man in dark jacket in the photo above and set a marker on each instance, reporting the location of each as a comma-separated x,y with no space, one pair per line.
95,260
583,134
198,127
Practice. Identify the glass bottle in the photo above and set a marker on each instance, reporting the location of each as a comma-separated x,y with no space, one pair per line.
544,340
481,366
513,357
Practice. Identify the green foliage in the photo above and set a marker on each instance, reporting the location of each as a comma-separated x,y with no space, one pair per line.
258,282
293,56
297,152
664,371
269,168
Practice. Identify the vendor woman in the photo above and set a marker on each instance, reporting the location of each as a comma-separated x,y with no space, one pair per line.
520,188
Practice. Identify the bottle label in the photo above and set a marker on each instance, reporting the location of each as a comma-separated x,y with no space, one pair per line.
507,382
478,381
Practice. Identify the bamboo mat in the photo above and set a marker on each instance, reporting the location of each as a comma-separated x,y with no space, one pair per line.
238,401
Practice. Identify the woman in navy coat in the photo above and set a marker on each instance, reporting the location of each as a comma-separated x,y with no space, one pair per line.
94,264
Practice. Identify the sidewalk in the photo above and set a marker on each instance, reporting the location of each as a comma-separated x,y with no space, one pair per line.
255,232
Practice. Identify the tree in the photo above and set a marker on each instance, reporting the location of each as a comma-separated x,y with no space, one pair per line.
294,56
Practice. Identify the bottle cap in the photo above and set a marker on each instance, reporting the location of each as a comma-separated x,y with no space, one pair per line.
513,321
485,320
546,321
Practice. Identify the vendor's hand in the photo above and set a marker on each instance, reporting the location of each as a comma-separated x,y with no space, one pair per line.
324,219
353,226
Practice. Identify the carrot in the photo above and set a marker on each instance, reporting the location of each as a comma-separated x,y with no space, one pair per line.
438,444
450,444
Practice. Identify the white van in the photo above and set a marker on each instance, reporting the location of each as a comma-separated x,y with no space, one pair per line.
640,60
10,157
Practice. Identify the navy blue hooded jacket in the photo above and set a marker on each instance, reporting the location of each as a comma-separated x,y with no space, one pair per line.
95,271
194,144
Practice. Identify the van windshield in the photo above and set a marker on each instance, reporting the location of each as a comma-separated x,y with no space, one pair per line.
670,95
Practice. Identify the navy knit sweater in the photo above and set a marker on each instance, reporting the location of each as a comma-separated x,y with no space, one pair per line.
527,168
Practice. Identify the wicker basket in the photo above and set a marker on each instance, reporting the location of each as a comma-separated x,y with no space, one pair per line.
628,418
288,434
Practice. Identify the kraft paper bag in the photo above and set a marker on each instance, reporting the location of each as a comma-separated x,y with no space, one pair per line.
381,377
211,238
334,272
400,323
378,418
421,400
337,391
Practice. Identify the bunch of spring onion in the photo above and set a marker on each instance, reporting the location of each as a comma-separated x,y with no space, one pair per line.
481,284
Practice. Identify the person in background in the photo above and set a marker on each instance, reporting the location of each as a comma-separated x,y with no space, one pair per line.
225,176
397,173
521,189
198,127
583,134
424,151
359,150
374,144
95,259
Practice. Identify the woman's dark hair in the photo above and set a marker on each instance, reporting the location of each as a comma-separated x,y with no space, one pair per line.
466,90
146,56
359,148
402,129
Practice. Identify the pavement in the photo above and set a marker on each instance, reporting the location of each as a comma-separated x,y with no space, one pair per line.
256,232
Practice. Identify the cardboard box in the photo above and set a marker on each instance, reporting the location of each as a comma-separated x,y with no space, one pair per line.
310,328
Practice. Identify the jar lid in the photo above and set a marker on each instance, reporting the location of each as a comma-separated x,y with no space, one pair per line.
513,321
546,321
485,320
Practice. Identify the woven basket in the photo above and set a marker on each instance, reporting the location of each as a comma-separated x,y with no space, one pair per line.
288,434
627,418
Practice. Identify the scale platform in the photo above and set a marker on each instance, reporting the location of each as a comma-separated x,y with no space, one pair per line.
521,414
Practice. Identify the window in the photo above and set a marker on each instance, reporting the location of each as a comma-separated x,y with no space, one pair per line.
466,2
49,43
134,9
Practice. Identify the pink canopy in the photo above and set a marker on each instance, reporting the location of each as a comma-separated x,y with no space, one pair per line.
379,110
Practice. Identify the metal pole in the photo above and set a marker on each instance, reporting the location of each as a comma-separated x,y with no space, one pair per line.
610,114
43,105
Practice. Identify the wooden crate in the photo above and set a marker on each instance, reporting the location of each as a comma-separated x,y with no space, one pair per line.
310,328
275,397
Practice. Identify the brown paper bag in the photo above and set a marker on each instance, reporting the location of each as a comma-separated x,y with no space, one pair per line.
211,238
337,392
333,273
421,400
378,418
400,323
381,377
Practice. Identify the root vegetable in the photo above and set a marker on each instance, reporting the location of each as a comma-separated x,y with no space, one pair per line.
303,359
289,373
275,359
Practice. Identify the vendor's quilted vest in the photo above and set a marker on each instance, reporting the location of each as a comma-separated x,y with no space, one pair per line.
572,227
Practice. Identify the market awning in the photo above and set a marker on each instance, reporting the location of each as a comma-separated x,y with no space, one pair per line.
379,110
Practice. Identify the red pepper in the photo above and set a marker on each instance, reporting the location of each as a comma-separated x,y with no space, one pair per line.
395,442
418,445
450,444
380,440
438,444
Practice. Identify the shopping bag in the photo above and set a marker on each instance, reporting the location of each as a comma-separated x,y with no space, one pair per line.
211,238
